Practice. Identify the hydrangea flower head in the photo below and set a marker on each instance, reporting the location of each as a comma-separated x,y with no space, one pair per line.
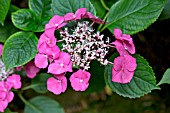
123,69
81,44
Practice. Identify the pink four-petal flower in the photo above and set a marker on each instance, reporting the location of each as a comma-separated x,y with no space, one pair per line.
15,80
61,65
31,69
58,84
80,80
123,69
125,40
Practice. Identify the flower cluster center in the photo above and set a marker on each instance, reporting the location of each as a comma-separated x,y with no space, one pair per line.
84,45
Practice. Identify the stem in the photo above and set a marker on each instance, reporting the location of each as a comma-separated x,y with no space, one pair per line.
23,99
29,87
110,46
92,24
104,19
110,62
60,40
104,5
14,90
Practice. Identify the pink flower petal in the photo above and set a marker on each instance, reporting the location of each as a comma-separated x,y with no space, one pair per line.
56,68
58,85
31,70
10,96
19,68
61,65
130,63
2,90
5,87
93,18
1,48
41,60
69,67
69,16
80,13
42,48
64,58
59,68
3,105
120,48
54,22
61,25
79,80
46,40
15,80
118,33
122,76
63,80
127,37
53,53
129,46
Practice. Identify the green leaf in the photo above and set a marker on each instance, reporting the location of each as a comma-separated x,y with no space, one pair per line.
25,19
166,11
165,78
100,10
142,82
97,82
40,82
4,6
19,49
7,30
134,15
61,7
42,9
42,104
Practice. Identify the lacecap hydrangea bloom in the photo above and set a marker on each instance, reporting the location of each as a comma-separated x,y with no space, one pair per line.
81,45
